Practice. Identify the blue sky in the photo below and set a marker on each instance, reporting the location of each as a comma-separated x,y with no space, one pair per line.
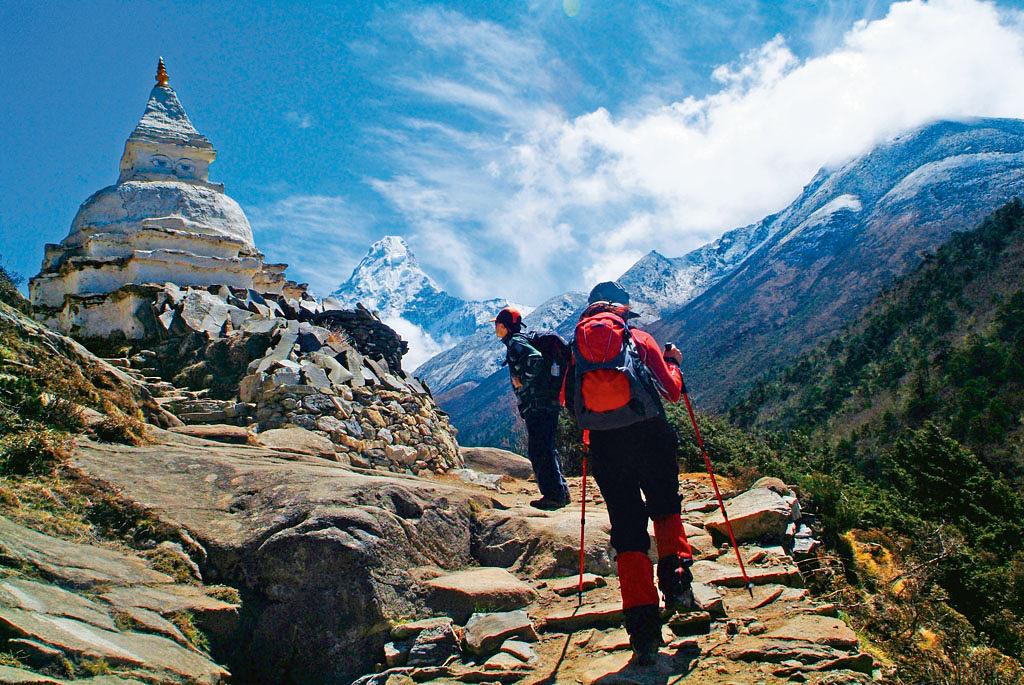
523,148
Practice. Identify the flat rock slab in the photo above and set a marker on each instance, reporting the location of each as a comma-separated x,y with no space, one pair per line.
755,514
168,599
763,596
571,619
17,676
824,630
497,461
298,441
690,623
760,649
83,566
485,632
616,669
462,593
520,650
708,599
570,584
503,661
217,432
413,628
30,595
713,573
135,649
614,640
546,544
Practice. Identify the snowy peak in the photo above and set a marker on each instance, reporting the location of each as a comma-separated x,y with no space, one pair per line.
390,281
387,279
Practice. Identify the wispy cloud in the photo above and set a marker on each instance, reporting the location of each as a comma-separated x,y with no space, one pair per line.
299,119
320,237
513,196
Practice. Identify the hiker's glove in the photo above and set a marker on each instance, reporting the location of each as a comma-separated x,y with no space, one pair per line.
673,354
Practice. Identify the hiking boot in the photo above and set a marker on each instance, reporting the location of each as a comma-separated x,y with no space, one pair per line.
676,583
643,623
548,504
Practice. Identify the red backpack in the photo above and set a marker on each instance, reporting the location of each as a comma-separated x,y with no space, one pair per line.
612,387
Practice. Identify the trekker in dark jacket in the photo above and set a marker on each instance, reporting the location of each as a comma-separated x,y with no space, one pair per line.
537,393
614,386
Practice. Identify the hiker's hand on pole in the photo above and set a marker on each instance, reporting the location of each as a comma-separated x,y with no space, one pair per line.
673,354
516,383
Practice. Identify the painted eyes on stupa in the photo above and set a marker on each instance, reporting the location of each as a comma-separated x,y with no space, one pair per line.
182,168
185,168
160,162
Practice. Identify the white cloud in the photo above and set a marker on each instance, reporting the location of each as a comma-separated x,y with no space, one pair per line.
320,237
539,201
421,345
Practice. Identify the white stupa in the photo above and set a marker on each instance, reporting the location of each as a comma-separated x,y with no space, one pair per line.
162,222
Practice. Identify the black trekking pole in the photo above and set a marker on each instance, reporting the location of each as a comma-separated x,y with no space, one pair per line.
714,484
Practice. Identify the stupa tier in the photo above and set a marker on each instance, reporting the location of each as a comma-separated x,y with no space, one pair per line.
163,222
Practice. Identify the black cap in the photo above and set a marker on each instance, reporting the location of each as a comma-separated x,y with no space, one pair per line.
609,291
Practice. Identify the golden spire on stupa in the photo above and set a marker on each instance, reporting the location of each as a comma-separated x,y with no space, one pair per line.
161,73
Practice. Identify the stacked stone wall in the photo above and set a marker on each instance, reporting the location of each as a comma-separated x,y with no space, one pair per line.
261,363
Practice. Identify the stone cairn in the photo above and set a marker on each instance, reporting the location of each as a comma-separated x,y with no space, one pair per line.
268,362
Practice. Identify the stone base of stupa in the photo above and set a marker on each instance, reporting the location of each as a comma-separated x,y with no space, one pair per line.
151,311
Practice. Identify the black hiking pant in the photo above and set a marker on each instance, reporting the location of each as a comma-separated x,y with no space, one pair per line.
541,429
636,469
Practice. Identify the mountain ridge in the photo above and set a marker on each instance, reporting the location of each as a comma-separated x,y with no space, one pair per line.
904,197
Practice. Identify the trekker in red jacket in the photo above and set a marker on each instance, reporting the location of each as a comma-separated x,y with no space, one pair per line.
614,388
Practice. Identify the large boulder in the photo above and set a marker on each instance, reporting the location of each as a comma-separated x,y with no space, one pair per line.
755,514
321,554
496,461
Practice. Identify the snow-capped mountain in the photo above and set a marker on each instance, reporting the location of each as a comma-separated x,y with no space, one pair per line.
656,284
390,281
851,231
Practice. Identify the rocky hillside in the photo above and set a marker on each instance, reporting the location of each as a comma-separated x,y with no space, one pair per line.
390,281
918,403
904,431
850,233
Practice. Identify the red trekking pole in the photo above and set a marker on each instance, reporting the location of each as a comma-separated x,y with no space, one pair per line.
583,514
714,484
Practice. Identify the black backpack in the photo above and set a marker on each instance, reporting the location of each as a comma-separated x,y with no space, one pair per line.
556,353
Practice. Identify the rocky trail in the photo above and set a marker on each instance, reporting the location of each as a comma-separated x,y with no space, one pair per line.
545,634
452,578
